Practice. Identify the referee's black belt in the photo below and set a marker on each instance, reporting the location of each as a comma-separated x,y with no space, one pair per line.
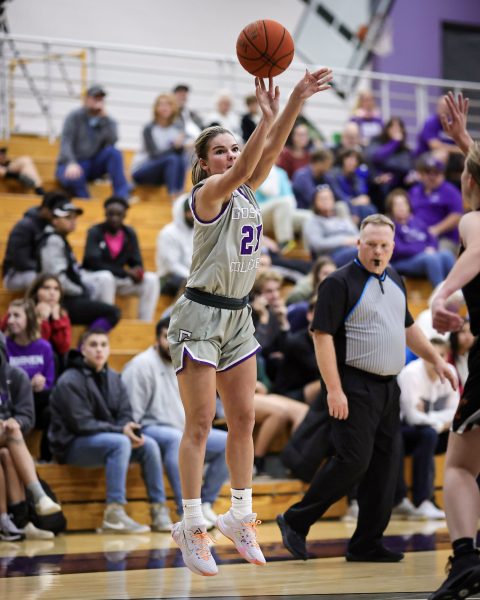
368,375
215,300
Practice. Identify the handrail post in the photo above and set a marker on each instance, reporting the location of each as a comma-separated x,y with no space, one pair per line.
49,91
4,100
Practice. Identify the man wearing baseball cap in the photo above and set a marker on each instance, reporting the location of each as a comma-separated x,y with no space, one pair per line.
87,149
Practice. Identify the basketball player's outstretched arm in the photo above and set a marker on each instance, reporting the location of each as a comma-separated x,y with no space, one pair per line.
468,264
310,84
219,187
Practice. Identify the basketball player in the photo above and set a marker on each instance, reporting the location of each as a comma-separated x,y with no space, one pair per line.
211,331
462,499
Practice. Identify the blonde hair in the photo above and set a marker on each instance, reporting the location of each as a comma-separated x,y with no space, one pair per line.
263,277
472,162
170,98
202,144
377,219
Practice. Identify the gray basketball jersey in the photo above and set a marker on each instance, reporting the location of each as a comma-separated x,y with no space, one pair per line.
226,250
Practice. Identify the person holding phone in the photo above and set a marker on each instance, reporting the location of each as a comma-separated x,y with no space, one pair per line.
92,425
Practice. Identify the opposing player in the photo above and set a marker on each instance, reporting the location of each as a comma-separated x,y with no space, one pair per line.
462,498
211,331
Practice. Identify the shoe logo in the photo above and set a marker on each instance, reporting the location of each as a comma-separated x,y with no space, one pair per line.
115,525
183,335
198,530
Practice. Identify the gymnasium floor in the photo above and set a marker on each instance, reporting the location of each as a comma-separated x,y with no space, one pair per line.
148,567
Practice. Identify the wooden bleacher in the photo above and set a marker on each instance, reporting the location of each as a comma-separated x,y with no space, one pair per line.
82,491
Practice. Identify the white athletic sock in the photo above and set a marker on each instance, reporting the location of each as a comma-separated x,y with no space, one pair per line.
241,503
192,513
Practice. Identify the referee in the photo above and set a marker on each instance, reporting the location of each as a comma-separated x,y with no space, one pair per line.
360,329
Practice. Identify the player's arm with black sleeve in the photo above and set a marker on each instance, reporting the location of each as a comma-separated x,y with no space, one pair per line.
329,316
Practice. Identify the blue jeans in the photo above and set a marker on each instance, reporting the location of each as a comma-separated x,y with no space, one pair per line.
435,266
168,169
168,439
115,452
108,161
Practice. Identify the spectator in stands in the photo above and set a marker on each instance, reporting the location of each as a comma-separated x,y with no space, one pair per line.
20,261
174,248
251,118
92,425
112,247
349,184
296,153
349,140
326,233
47,294
306,179
278,207
427,405
87,148
298,376
367,116
432,137
308,286
18,509
224,115
437,202
390,160
461,343
416,252
21,169
274,415
162,156
34,355
269,318
17,415
153,392
81,289
192,123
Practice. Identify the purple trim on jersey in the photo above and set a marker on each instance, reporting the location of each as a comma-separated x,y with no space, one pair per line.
224,208
240,360
195,359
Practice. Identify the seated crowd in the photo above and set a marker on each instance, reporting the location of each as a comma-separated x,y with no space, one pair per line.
90,415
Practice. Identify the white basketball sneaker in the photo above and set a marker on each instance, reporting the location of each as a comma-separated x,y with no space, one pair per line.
194,544
243,534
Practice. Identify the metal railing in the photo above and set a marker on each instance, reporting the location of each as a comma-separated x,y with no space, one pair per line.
135,75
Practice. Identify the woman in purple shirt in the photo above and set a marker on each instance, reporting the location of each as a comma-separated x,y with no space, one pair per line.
437,202
416,251
34,355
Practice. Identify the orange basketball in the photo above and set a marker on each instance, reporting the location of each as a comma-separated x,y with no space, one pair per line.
265,48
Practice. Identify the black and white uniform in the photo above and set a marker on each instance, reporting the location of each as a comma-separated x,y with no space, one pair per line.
468,412
366,315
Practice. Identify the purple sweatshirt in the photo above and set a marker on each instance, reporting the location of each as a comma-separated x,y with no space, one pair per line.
36,357
369,127
434,207
432,130
412,238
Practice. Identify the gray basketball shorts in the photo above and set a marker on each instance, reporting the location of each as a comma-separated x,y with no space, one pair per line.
219,337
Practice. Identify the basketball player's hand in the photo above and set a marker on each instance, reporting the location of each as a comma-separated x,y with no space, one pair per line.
443,319
337,405
444,372
455,123
268,100
311,83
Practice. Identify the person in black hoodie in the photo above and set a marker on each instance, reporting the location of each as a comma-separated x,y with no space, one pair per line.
17,415
113,247
81,290
20,261
92,425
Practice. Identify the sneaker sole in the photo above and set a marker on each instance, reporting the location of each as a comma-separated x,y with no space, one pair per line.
242,552
468,587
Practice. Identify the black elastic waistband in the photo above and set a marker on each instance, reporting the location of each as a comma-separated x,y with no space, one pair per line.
373,376
215,300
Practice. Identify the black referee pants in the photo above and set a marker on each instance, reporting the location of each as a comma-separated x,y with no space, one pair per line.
366,454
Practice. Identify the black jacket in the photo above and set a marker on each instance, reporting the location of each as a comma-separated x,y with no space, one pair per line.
16,396
20,253
84,402
97,256
299,365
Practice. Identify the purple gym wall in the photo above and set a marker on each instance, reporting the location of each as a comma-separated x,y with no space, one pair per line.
417,34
